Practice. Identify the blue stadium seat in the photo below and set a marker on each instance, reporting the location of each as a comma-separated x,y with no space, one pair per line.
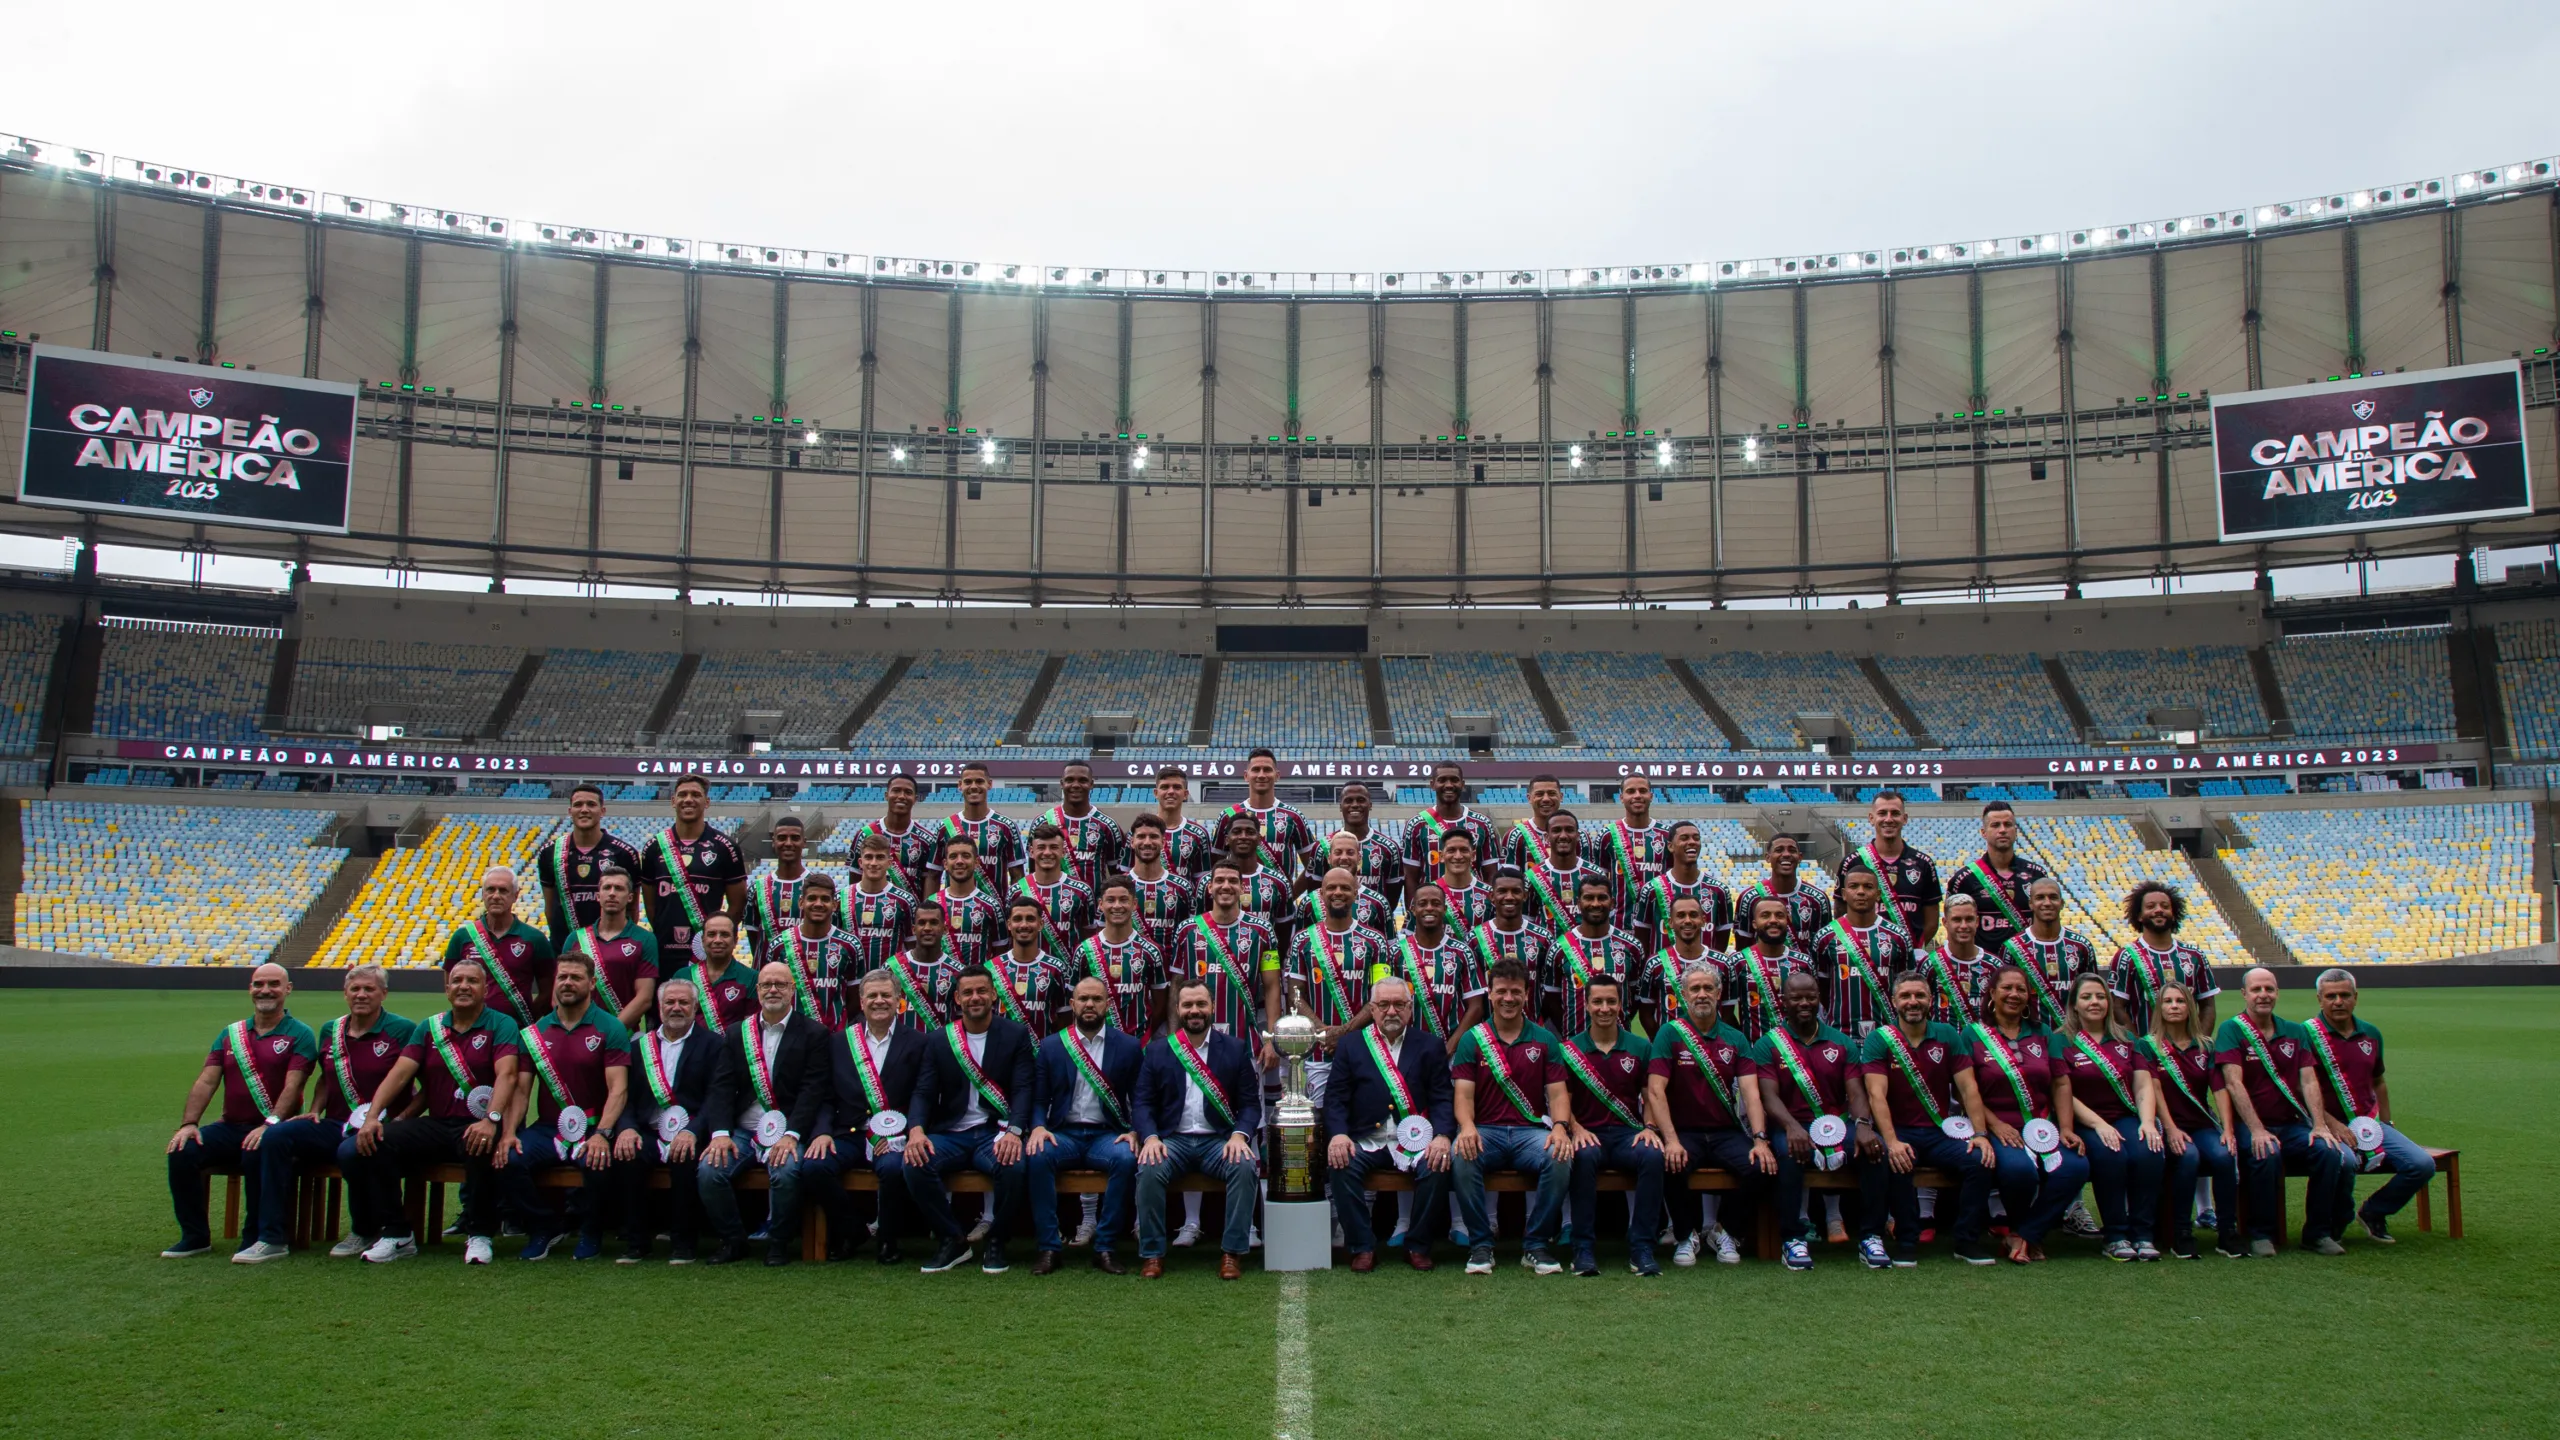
2367,684
448,690
1292,704
953,698
1424,690
816,693
1156,686
198,682
2121,686
1627,702
1764,692
1985,704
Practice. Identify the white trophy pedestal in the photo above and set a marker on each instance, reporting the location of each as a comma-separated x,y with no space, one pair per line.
1297,1235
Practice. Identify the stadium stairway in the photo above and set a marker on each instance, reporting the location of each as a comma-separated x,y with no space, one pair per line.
879,695
2262,668
1893,702
1534,676
2069,695
1019,732
2479,706
663,713
2247,921
1697,688
303,941
505,713
280,684
1373,692
1204,709
13,868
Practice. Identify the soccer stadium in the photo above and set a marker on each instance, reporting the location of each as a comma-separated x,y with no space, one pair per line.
680,560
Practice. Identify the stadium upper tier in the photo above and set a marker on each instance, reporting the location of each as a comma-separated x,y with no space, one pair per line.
2396,682
2121,687
444,692
2529,684
1982,702
1159,689
1423,691
1911,417
27,645
960,699
1765,693
193,680
815,693
1306,703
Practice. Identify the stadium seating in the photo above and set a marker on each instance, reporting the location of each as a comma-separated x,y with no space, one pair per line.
1157,686
2400,883
27,645
1292,704
2368,683
194,682
2529,685
2121,686
448,690
1424,690
1627,702
2098,858
814,692
1764,693
414,898
169,884
961,698
589,701
1992,704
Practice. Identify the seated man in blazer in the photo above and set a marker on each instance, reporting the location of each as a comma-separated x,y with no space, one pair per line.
973,1093
763,1106
873,1066
669,1120
1081,1118
1199,1107
1391,1071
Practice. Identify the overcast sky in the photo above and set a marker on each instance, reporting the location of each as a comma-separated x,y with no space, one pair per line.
1314,135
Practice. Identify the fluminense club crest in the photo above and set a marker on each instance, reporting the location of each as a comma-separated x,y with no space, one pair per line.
201,396
2363,409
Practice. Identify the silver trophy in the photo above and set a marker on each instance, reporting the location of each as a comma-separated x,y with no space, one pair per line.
1293,1120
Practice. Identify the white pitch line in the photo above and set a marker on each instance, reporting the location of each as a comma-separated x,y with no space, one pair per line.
1293,1401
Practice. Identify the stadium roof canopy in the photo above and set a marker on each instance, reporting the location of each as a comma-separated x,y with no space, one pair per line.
556,401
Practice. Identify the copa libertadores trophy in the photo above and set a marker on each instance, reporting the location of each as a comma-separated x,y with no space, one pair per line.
1297,1226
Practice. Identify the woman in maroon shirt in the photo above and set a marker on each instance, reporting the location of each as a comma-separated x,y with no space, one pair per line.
2021,1084
2195,1117
2116,1109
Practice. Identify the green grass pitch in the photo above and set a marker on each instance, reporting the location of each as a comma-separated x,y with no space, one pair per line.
100,1337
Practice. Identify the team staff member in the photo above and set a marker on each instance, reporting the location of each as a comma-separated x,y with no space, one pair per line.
580,1058
995,840
2115,1106
2055,954
1096,845
1959,970
1198,1108
1513,1113
911,845
1807,911
872,1069
1909,875
2349,1056
515,956
927,975
356,1051
1287,842
677,1062
1681,878
724,985
1440,967
1125,960
1589,949
571,866
973,1092
1763,968
1998,878
1634,848
1856,957
2158,957
1083,1115
2195,1117
972,911
1703,1093
1393,1072
1806,1068
1919,1076
2268,1071
1426,833
818,955
1605,1070
2020,1083
1165,897
626,958
690,872
1375,859
465,1062
773,898
258,1065
1326,975
763,1105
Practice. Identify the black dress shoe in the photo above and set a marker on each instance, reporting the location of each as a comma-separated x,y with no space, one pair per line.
889,1252
729,1253
1047,1263
1108,1263
839,1247
777,1253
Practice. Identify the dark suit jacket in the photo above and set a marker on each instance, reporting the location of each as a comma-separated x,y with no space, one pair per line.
942,1090
1121,1056
1161,1079
697,1073
799,1077
1355,1095
847,1109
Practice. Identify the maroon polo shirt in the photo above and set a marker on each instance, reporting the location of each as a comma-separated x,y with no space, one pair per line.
1830,1059
579,1056
1620,1070
1694,1105
478,1048
280,1057
2029,1055
1533,1066
2089,1085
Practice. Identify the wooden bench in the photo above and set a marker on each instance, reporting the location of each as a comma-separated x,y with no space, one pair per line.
2448,1168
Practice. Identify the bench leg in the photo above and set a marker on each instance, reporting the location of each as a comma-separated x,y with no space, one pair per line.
813,1231
230,1207
332,1192
435,1213
2453,1195
2426,1220
1766,1242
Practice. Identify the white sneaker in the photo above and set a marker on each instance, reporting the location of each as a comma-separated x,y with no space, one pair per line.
1685,1253
1084,1232
1667,1237
477,1250
1187,1236
1727,1253
1092,1209
388,1249
260,1254
1255,1243
349,1247
979,1231
2079,1221
1337,1235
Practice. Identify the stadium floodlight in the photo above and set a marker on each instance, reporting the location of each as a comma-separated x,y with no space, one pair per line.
1138,458
1750,449
986,452
1573,456
1662,454
897,454
811,438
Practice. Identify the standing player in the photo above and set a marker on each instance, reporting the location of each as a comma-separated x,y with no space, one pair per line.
1807,911
1527,842
822,959
567,869
1189,845
1228,949
1911,877
998,842
773,898
1448,985
1379,864
1658,995
1959,970
1998,879
691,872
1288,842
258,1066
973,911
1762,968
1587,950
626,957
1066,905
1263,891
725,985
516,956
1342,852
2157,957
1095,845
1125,959
1634,849
1165,896
1031,984
1856,957
2047,950
1510,933
911,845
1556,878
926,974
1447,816
1649,910
878,916
1465,896
1326,974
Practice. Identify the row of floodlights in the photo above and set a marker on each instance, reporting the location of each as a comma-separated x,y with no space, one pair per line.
2416,194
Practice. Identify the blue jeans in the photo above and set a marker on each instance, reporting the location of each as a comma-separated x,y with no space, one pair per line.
1935,1149
2323,1213
1795,1220
2207,1156
281,1154
1183,1155
1349,1184
216,1144
1082,1147
2411,1167
720,1198
824,1178
2127,1180
1512,1147
1617,1150
2035,1197
976,1150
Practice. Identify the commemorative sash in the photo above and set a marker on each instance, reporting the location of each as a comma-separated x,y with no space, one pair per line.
1091,1071
1798,1068
1005,995
2140,956
1627,861
1889,908
1433,827
1762,984
915,1002
759,1072
1328,967
802,982
1999,894
1674,967
2008,1064
988,1091
1226,962
710,1010
1856,954
1574,956
236,1040
2106,1069
2177,1074
333,1041
780,899
584,942
1532,844
669,850
1399,1099
497,971
1421,985
2318,1030
542,1066
440,1035
1957,1005
1500,1068
1049,925
1909,1065
2048,1009
2267,1062
857,1043
1695,1044
653,1069
560,876
1537,873
1580,1065
1196,1066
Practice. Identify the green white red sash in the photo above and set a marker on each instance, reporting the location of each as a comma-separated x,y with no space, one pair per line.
497,971
1500,1068
1762,983
1692,1042
1005,986
1999,894
669,850
1421,984
1328,968
1580,1065
1855,952
1196,1066
1957,1005
709,1008
1626,850
1399,1099
857,1042
1998,1046
542,1064
440,1035
653,1069
1798,1068
1072,1039
1575,958
2267,1062
1537,873
2140,955
904,974
584,942
2047,1008
1890,909
2337,1076
781,907
1909,1065
803,984
333,1042
988,1091
1226,962
2106,1069
759,1071
1674,966
236,1039
1049,925
2177,1074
